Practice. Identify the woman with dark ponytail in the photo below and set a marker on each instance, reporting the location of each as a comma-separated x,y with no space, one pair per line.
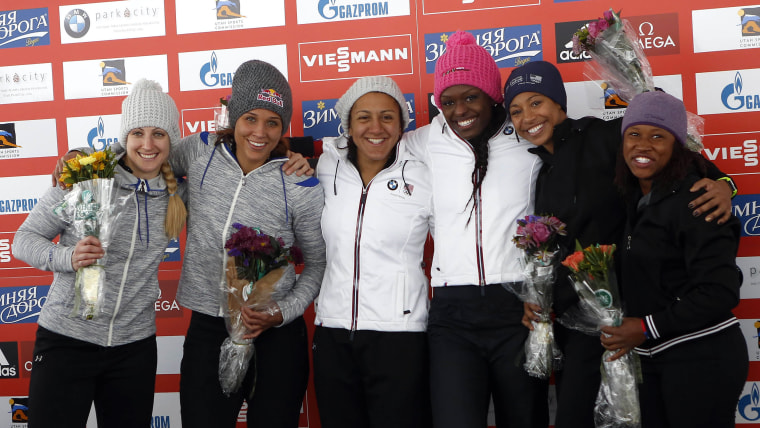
482,183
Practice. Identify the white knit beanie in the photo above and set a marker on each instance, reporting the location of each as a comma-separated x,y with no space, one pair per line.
149,105
365,85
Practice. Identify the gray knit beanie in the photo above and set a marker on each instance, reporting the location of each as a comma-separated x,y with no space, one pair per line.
657,109
258,84
365,85
148,105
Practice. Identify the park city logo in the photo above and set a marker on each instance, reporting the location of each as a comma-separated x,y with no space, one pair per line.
331,9
113,72
509,46
19,411
228,9
353,58
732,98
9,360
97,138
210,77
8,136
76,23
24,28
749,404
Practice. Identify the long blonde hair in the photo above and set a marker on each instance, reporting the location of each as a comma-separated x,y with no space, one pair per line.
176,212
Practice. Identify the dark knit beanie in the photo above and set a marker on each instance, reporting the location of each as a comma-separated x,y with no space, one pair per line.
258,84
536,76
466,63
657,109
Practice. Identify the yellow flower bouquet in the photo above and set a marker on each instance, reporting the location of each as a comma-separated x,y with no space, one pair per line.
91,207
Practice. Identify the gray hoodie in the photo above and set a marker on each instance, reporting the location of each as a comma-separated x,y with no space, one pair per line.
289,207
132,261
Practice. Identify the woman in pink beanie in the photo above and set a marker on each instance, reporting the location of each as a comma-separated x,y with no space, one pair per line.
482,182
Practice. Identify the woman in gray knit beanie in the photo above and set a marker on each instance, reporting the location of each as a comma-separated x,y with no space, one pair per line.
374,290
109,360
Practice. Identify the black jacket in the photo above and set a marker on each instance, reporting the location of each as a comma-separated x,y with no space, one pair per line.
678,272
575,184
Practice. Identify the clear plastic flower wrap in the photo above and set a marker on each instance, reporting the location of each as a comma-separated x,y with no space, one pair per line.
536,236
92,207
258,274
620,61
236,352
593,277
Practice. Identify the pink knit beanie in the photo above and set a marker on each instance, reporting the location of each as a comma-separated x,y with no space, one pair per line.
466,63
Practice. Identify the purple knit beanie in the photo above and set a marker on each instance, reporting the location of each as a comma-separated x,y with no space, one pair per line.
466,63
658,109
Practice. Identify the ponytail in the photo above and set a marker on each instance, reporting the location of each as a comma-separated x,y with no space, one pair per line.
176,213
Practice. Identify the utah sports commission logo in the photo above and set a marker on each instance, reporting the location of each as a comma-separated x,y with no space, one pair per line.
76,23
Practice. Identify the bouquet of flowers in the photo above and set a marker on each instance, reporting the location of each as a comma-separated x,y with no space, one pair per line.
537,236
620,60
258,267
92,207
613,44
593,277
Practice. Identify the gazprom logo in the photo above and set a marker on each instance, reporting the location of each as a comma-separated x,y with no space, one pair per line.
329,10
748,404
733,99
97,139
211,78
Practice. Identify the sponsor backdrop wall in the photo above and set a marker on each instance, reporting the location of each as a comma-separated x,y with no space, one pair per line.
65,70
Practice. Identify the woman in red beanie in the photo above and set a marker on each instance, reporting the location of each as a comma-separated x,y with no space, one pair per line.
482,182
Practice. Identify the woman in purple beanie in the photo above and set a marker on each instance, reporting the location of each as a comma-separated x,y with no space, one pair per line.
679,277
576,184
482,183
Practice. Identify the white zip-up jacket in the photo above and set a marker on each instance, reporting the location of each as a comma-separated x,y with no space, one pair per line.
132,259
476,249
375,237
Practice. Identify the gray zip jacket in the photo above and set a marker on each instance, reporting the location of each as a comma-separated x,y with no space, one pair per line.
132,261
289,207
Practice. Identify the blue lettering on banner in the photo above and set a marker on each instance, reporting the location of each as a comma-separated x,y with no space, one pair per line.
732,97
160,422
748,404
24,28
211,78
96,138
320,119
11,206
509,46
21,305
329,10
747,209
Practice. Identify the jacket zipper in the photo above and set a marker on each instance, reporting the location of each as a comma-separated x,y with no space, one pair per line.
478,226
124,274
357,246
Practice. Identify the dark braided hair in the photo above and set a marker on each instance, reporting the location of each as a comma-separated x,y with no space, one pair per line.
480,146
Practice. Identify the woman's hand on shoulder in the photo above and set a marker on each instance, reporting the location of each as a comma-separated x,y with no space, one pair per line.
298,164
715,202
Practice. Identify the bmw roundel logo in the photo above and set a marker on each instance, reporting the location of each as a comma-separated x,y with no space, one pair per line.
76,23
392,184
509,130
